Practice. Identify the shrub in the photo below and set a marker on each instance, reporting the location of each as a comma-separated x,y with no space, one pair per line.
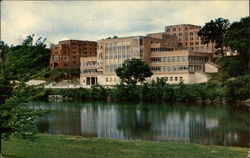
238,88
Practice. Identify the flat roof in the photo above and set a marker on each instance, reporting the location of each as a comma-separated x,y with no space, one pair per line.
111,38
183,25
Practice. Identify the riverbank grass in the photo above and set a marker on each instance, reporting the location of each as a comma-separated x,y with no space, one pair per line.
51,146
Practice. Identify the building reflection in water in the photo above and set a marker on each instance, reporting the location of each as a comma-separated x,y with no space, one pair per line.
215,125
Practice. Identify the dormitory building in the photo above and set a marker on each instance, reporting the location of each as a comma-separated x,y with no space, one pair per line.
176,54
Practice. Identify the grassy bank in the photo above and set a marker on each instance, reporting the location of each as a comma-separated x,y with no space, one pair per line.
75,147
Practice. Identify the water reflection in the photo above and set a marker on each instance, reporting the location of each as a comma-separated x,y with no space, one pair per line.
211,124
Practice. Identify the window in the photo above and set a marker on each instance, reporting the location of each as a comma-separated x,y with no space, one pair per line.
191,38
74,62
166,78
74,52
179,29
186,28
111,79
191,33
174,34
65,58
174,29
181,78
74,57
168,30
196,43
65,64
171,78
180,34
191,43
56,58
176,79
83,81
107,79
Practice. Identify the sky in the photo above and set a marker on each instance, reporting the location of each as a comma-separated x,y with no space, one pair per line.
95,20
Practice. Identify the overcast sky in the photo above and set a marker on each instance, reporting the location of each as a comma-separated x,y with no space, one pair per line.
84,20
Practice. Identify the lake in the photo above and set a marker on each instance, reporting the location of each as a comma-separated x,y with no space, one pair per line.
225,125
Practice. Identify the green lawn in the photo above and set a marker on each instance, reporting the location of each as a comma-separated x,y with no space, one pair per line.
49,146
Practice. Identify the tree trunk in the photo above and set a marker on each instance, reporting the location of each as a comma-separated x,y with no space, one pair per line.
221,51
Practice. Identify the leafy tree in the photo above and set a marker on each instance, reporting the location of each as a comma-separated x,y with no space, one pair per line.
237,38
238,88
214,31
133,71
27,59
17,64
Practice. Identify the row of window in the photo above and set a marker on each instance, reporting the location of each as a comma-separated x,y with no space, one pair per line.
120,43
171,78
65,58
177,68
175,29
112,79
161,49
191,39
194,59
115,48
88,71
88,64
166,78
117,56
112,67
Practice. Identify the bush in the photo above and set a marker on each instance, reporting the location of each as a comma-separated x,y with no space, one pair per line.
238,88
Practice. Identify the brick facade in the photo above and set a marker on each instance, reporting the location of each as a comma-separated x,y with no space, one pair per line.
66,54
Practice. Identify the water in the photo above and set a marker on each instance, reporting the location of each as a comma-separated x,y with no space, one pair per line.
226,125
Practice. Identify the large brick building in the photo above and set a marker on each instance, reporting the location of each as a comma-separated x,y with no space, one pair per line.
159,50
66,54
187,36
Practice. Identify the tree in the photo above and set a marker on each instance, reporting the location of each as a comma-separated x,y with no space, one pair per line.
237,38
133,71
26,59
16,61
214,31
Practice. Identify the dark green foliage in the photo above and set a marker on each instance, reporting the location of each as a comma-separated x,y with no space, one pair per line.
214,31
124,92
209,91
157,91
98,92
238,88
17,65
184,92
133,71
27,59
231,66
237,38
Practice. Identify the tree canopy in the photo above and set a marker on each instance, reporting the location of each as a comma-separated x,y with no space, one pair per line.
237,37
26,59
17,65
214,31
133,71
